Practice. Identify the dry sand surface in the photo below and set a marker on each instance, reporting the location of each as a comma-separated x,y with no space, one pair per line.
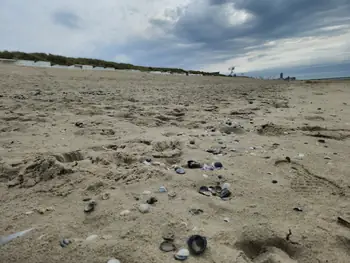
67,136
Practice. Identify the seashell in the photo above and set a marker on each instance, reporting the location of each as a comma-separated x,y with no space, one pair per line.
91,238
182,254
113,260
204,191
124,212
65,242
180,170
167,246
90,206
197,244
225,193
105,196
226,186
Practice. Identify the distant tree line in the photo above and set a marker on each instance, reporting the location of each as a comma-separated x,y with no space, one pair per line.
68,61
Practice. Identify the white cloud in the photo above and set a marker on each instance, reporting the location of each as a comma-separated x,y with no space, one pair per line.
29,26
289,53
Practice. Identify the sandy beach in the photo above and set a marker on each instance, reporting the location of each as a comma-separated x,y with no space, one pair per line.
69,136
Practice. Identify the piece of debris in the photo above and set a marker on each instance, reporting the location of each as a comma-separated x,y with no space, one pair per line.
152,200
162,189
288,159
79,124
226,219
197,244
195,211
215,151
298,209
144,208
192,141
289,234
274,181
343,222
321,141
182,254
301,156
327,158
90,206
65,242
167,246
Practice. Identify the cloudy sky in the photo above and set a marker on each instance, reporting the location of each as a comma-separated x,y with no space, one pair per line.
303,38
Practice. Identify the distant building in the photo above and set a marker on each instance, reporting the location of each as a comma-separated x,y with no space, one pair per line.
281,75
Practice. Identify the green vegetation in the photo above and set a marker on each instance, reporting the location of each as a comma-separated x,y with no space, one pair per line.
68,61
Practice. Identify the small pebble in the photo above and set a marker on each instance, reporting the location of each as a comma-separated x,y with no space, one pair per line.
274,181
144,208
226,219
327,158
146,192
113,260
205,175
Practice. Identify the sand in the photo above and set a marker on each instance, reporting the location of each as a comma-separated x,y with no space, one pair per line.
70,135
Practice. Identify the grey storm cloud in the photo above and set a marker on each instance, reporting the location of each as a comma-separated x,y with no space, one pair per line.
67,19
204,23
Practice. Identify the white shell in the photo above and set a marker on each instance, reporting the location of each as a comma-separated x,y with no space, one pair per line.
226,186
183,252
124,212
91,238
144,208
113,260
147,192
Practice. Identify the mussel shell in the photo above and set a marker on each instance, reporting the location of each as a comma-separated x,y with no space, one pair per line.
167,246
197,244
